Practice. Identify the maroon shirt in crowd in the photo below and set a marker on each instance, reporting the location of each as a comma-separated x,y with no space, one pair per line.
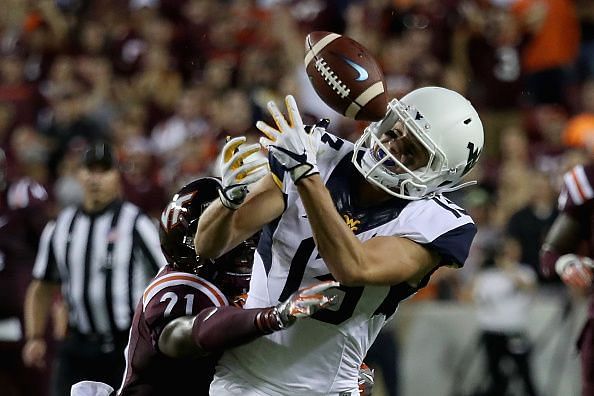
23,214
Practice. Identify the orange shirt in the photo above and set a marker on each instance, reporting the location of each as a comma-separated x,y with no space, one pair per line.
579,131
556,43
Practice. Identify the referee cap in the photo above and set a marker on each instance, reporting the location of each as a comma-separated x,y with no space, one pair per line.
99,155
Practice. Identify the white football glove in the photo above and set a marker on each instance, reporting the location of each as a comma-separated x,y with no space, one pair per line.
236,174
575,270
290,143
306,302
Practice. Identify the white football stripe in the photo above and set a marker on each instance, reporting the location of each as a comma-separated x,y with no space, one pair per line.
352,110
367,96
319,46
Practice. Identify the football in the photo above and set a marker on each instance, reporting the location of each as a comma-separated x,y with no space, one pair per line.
345,76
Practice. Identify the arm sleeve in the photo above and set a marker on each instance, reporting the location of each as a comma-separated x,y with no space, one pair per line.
46,267
225,327
454,245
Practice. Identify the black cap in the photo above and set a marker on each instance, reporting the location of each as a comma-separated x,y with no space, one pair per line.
100,155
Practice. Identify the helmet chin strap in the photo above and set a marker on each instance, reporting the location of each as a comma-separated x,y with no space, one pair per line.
457,187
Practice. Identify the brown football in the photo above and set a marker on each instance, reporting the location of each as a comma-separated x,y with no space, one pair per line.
345,76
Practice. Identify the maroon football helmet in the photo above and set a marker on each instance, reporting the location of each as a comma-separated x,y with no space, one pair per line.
179,220
232,271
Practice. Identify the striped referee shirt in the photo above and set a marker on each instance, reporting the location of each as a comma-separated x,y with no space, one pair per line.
103,261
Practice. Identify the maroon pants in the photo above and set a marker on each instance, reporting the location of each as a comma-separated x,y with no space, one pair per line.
586,347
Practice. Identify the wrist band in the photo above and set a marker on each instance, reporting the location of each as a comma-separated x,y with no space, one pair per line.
565,261
268,321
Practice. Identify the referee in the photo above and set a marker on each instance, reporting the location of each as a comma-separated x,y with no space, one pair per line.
102,254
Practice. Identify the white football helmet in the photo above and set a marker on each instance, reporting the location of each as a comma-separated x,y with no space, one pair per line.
444,123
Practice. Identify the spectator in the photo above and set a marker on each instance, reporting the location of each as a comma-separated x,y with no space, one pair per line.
67,120
488,47
579,131
502,292
29,152
585,64
530,223
158,84
141,178
188,120
552,32
16,91
23,213
102,253
514,173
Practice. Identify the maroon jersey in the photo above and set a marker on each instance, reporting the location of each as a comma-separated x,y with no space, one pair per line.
577,201
23,214
170,295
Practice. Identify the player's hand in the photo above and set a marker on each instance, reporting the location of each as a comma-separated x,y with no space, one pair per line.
575,271
306,301
366,380
290,143
236,174
34,353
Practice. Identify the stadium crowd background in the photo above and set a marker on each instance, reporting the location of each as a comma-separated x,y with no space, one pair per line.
167,80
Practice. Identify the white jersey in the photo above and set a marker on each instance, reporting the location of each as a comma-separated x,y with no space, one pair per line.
322,355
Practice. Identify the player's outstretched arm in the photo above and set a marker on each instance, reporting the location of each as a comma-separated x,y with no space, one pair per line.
219,328
249,198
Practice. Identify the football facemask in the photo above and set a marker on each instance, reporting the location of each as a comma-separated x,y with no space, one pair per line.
443,129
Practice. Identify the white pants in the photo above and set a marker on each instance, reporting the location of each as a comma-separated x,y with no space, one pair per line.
90,388
226,383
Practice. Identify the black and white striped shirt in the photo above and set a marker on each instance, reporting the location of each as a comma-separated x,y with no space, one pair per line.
103,261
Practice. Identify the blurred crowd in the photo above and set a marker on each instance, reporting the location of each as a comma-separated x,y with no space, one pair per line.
167,80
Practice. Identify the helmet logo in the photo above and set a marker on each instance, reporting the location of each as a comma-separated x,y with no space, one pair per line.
351,223
170,216
473,156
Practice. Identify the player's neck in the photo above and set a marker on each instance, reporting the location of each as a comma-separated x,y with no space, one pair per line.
370,195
